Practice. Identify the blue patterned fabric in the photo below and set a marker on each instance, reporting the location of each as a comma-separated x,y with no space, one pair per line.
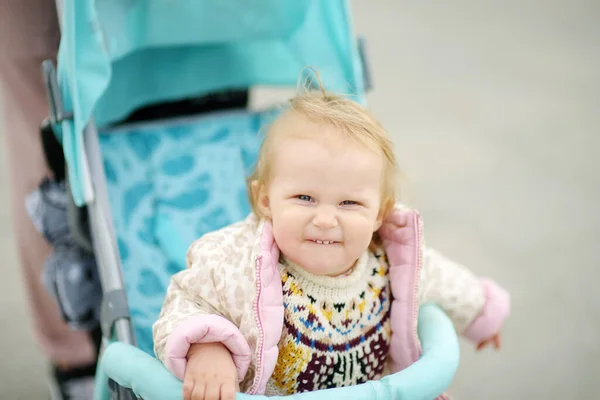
169,185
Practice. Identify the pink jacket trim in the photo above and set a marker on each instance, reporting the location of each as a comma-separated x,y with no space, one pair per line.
490,320
206,329
401,236
270,309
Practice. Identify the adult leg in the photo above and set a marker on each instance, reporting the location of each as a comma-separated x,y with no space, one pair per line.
29,34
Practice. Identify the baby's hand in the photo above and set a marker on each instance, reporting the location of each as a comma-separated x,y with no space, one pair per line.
210,373
494,339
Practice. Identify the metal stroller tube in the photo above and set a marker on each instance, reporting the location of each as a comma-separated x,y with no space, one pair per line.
115,311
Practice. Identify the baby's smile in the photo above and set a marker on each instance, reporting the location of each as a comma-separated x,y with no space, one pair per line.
323,241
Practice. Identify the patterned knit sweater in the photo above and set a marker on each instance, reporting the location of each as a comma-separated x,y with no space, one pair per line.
336,330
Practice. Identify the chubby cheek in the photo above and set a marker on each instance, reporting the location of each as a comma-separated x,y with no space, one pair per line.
360,235
285,234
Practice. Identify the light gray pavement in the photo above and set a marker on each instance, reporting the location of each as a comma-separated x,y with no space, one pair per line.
494,108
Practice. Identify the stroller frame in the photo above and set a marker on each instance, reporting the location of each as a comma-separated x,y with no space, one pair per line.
114,316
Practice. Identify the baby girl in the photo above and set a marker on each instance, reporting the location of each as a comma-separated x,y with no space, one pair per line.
321,285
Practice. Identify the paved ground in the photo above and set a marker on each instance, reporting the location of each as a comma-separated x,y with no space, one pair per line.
494,112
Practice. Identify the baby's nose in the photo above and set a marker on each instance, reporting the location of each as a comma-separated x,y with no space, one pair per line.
325,218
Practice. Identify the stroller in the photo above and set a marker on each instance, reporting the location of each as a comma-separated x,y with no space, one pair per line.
150,103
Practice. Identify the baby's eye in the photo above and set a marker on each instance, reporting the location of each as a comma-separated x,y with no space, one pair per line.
304,197
349,203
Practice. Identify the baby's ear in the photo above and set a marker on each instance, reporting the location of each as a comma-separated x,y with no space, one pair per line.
378,223
261,197
385,211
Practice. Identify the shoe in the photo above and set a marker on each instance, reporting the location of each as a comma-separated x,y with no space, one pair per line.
72,384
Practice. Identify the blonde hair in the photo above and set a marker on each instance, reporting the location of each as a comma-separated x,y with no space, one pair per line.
348,118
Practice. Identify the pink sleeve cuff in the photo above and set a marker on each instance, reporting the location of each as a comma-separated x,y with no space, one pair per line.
490,320
206,329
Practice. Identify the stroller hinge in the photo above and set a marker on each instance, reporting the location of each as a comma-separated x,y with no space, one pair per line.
55,100
114,308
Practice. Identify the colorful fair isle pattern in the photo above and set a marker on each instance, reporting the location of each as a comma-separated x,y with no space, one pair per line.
336,330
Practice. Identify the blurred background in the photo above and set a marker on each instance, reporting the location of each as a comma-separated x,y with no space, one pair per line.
494,110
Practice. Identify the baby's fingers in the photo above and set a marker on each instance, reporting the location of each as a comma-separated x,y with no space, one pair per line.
188,389
228,390
497,342
483,344
213,391
194,390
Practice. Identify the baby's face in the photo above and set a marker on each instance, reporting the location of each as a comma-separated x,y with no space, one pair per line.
324,201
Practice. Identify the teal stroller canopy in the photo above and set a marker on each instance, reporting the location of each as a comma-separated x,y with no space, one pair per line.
116,56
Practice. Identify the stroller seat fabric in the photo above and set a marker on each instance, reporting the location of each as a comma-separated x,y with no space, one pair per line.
169,184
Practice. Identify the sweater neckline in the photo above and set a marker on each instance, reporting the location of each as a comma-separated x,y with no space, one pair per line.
346,280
